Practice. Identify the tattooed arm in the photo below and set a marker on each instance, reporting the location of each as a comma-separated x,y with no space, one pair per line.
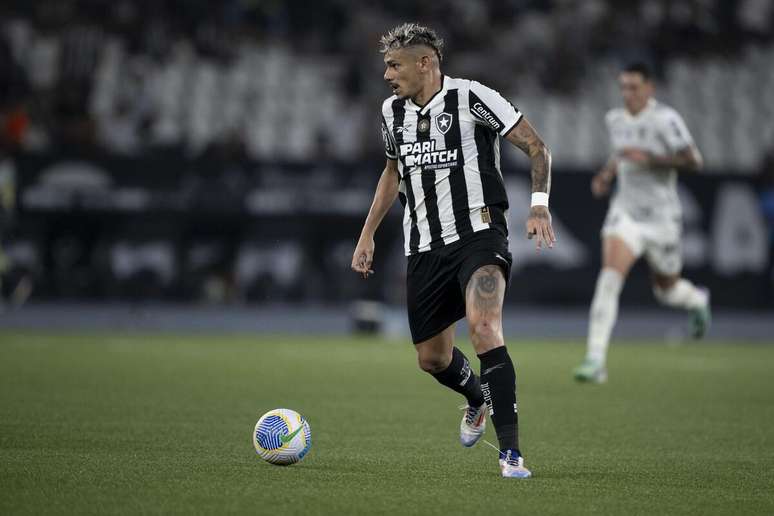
526,138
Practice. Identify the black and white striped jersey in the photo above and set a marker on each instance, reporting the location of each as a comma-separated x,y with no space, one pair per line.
448,154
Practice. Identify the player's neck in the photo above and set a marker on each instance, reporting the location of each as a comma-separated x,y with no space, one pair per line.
640,110
432,86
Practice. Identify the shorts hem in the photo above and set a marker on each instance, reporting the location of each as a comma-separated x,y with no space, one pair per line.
636,248
432,333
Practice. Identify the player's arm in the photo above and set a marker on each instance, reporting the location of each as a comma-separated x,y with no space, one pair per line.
687,159
602,180
683,154
526,138
386,193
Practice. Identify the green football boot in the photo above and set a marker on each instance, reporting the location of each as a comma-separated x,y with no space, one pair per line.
590,372
701,318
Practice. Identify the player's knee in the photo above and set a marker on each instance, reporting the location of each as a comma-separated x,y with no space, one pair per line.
433,364
664,283
485,330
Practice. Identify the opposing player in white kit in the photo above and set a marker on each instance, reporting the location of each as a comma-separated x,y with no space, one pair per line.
650,144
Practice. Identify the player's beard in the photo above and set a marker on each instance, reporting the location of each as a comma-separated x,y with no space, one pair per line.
402,92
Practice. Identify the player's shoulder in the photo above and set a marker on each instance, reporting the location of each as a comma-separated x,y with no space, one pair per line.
614,115
458,83
664,111
479,88
387,105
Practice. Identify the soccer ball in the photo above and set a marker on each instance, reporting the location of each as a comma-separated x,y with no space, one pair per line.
282,437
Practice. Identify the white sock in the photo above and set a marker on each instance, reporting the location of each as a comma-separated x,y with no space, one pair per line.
603,314
683,294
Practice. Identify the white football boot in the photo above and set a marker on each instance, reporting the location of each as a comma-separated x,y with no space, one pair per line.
473,425
512,465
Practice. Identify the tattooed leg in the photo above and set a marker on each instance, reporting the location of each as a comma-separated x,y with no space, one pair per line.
484,306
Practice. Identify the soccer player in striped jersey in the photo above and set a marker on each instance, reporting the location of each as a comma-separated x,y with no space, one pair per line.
442,142
650,143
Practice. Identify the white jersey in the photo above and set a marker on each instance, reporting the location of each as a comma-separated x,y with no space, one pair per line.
646,193
448,154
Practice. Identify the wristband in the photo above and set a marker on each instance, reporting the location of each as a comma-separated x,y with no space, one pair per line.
539,199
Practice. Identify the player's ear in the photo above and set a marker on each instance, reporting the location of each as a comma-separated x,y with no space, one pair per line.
424,62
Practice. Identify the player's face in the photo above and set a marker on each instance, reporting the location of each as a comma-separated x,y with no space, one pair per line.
402,72
635,90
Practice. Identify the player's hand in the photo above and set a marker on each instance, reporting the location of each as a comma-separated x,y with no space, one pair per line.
363,256
539,227
600,184
636,155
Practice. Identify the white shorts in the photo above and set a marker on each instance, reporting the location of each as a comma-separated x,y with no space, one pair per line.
658,240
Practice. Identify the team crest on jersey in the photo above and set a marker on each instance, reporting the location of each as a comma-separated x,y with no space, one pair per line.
443,122
423,125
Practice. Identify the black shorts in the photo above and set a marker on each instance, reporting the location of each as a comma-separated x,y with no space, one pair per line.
436,280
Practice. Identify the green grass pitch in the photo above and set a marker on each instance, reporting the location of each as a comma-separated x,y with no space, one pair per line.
109,424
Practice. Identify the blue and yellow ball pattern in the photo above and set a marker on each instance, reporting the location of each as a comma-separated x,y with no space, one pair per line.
282,437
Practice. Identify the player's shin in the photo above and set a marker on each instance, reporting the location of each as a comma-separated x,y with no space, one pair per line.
604,312
498,383
460,378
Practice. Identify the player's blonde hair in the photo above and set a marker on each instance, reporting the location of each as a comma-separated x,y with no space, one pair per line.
409,35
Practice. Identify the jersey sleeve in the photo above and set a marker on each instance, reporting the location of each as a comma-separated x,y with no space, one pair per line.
390,147
491,109
674,131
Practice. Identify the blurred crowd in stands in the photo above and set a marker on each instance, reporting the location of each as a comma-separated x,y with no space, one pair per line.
74,73
267,88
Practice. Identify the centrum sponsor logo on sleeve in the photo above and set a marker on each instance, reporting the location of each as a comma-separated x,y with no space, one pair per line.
426,155
486,115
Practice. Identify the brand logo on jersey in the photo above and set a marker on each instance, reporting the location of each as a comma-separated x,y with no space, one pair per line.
426,155
443,122
423,125
486,116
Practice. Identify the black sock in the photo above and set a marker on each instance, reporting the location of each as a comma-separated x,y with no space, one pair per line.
498,383
460,377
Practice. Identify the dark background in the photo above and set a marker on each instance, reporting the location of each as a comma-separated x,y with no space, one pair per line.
227,152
